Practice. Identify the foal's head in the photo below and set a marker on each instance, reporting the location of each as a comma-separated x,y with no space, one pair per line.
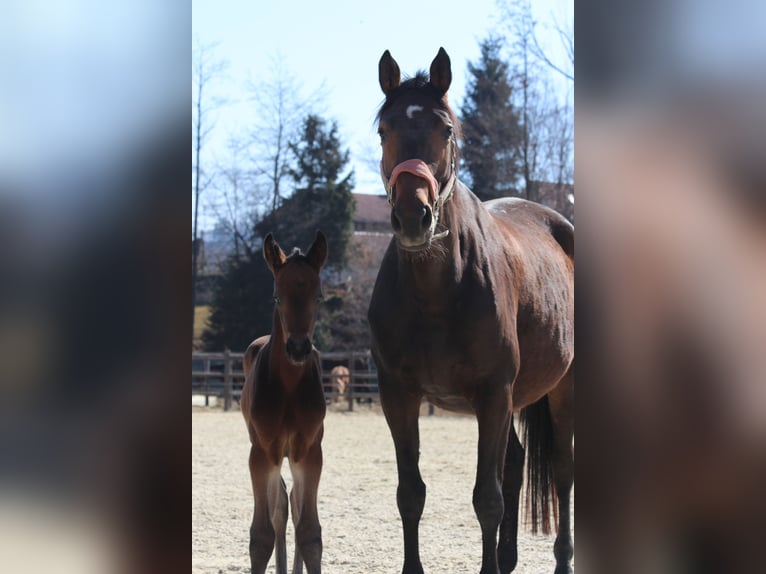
297,292
418,133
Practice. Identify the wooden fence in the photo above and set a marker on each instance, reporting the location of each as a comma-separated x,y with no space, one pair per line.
221,375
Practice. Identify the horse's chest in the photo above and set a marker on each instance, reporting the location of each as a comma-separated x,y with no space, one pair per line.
278,414
439,356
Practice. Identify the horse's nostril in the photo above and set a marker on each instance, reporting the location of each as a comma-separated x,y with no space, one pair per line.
395,223
427,218
299,348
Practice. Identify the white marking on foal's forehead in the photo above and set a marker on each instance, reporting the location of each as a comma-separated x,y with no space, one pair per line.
412,109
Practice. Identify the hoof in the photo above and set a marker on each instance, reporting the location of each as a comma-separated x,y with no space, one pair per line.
506,560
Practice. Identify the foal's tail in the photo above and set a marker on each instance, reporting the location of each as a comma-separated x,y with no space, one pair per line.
537,428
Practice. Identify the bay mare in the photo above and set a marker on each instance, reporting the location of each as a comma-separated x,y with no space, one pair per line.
473,309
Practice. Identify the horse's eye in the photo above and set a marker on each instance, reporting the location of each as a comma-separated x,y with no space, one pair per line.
382,135
448,131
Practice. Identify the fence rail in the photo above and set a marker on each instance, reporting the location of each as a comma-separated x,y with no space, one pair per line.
221,375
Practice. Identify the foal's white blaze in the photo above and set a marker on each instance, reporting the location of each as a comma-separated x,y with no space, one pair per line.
412,109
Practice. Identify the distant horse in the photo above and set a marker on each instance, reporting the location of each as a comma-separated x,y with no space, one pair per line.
473,309
341,378
284,408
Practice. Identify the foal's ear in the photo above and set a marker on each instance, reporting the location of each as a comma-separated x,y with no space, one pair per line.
273,254
317,254
388,73
441,72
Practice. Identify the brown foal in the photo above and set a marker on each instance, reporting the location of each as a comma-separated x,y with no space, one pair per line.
284,408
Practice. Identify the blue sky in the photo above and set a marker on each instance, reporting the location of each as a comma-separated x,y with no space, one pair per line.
337,44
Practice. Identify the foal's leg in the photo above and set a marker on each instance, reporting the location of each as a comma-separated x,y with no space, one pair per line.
308,531
494,418
507,555
297,558
279,521
402,411
561,404
266,483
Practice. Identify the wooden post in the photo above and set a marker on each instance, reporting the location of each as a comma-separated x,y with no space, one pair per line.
206,367
226,380
351,382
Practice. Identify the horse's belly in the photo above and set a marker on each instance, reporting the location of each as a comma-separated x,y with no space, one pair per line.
448,374
542,365
454,403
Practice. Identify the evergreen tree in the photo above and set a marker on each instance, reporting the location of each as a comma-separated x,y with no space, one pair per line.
322,199
491,129
323,196
242,304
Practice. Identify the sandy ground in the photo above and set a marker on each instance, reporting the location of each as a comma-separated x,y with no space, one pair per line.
357,497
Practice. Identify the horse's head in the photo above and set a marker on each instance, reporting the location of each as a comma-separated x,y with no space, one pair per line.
418,134
297,292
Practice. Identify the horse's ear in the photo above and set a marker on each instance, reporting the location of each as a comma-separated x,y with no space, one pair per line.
388,73
273,254
441,72
317,254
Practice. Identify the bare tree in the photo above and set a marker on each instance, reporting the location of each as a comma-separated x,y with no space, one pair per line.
281,109
526,72
541,110
560,143
236,202
206,69
518,16
566,37
556,187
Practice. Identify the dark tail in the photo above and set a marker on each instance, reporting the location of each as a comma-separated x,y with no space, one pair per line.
538,442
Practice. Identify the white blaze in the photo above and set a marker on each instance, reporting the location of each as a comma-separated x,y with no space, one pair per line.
412,109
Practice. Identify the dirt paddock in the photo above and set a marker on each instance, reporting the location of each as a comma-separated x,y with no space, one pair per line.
357,497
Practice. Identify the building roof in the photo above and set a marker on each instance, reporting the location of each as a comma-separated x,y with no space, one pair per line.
371,209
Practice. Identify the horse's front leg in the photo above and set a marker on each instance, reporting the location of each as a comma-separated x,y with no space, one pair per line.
402,410
308,532
267,486
492,406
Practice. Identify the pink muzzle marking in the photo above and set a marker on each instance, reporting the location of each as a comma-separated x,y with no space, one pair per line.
419,168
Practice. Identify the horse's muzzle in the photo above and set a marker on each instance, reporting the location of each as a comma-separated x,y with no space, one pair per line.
298,351
413,228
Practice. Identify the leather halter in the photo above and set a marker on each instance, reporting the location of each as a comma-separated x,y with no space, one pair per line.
419,168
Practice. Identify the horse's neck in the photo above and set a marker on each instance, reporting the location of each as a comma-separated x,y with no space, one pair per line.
288,373
429,276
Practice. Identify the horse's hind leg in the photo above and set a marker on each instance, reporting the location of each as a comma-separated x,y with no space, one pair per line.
264,475
279,521
512,478
561,404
